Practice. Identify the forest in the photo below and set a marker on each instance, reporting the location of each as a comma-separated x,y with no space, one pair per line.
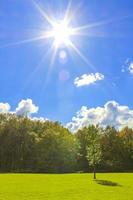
28,145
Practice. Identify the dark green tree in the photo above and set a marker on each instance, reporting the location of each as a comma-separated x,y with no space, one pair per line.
112,149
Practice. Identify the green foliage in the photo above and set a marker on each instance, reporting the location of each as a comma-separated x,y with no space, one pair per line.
90,147
93,147
57,150
126,138
42,146
111,148
115,146
94,153
35,146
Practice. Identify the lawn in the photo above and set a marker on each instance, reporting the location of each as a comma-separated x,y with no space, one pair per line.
109,186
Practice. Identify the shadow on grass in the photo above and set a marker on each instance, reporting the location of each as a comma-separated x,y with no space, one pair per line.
107,183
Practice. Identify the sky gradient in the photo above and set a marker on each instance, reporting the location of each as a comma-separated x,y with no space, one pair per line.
101,77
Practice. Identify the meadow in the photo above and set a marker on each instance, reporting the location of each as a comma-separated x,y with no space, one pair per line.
110,186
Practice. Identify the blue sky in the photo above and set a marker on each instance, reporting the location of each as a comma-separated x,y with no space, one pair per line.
107,45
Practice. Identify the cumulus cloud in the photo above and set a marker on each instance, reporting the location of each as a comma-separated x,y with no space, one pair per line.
110,114
130,68
87,79
4,107
26,107
41,119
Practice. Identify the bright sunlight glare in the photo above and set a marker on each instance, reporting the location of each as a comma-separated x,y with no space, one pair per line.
61,33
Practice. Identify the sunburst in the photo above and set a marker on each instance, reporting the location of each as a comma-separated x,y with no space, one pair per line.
61,32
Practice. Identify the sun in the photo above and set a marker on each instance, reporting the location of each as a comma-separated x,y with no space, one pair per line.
61,33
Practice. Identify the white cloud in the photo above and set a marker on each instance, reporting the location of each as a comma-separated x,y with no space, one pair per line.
4,107
110,114
127,67
41,119
26,107
87,79
130,68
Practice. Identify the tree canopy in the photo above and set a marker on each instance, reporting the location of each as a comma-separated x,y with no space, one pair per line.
28,145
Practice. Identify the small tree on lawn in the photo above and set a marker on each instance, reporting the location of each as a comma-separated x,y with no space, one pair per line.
94,152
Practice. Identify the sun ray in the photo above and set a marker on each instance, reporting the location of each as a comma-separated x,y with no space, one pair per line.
77,30
81,55
43,13
38,67
54,55
61,32
44,36
93,25
70,13
54,52
67,17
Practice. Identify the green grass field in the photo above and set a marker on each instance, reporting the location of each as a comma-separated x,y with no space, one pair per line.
66,187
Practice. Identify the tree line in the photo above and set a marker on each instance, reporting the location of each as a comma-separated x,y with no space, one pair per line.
28,145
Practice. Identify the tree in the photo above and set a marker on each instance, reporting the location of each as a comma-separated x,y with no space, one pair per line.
83,139
126,137
94,152
28,145
57,150
112,149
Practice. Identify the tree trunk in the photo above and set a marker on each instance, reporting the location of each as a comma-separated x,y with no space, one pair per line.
94,173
